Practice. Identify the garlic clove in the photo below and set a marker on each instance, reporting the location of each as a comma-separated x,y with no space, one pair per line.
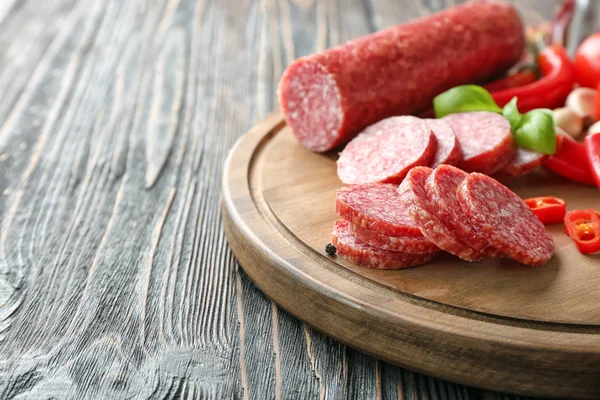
569,121
583,102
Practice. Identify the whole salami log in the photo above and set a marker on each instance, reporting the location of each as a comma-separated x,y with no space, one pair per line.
330,96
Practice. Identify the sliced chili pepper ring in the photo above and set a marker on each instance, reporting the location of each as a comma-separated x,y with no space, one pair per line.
548,209
583,226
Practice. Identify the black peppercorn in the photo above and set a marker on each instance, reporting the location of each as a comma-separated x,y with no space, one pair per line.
330,249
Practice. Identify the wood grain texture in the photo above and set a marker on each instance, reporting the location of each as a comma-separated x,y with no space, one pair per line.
116,280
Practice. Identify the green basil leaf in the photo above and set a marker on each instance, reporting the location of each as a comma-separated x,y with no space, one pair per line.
512,114
537,131
464,98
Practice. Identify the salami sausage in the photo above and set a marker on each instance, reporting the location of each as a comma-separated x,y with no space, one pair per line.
413,194
525,161
504,220
358,252
330,96
485,139
376,207
448,148
407,244
441,188
386,151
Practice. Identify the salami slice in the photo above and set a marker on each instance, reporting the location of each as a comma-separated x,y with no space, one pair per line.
504,220
386,151
525,161
358,252
441,188
485,139
376,207
448,148
413,194
407,244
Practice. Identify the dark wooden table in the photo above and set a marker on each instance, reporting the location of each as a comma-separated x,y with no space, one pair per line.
116,280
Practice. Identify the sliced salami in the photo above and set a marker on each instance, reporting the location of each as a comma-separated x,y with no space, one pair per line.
485,140
413,194
386,151
358,252
448,148
504,220
376,207
407,244
524,162
441,188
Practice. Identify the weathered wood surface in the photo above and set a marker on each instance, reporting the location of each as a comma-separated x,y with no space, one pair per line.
115,277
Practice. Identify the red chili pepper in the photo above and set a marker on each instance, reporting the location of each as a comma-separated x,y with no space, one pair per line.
597,102
515,80
583,226
549,209
570,161
592,148
548,92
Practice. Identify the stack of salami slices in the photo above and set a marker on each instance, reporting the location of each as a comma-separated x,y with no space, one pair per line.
471,216
376,230
474,141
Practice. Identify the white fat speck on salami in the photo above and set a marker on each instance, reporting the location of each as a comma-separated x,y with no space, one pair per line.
448,148
485,140
386,151
376,207
441,188
407,244
504,220
358,252
413,194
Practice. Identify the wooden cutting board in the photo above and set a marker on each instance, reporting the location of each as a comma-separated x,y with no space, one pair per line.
495,324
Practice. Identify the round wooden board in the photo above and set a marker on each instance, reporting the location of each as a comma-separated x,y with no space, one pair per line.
495,324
